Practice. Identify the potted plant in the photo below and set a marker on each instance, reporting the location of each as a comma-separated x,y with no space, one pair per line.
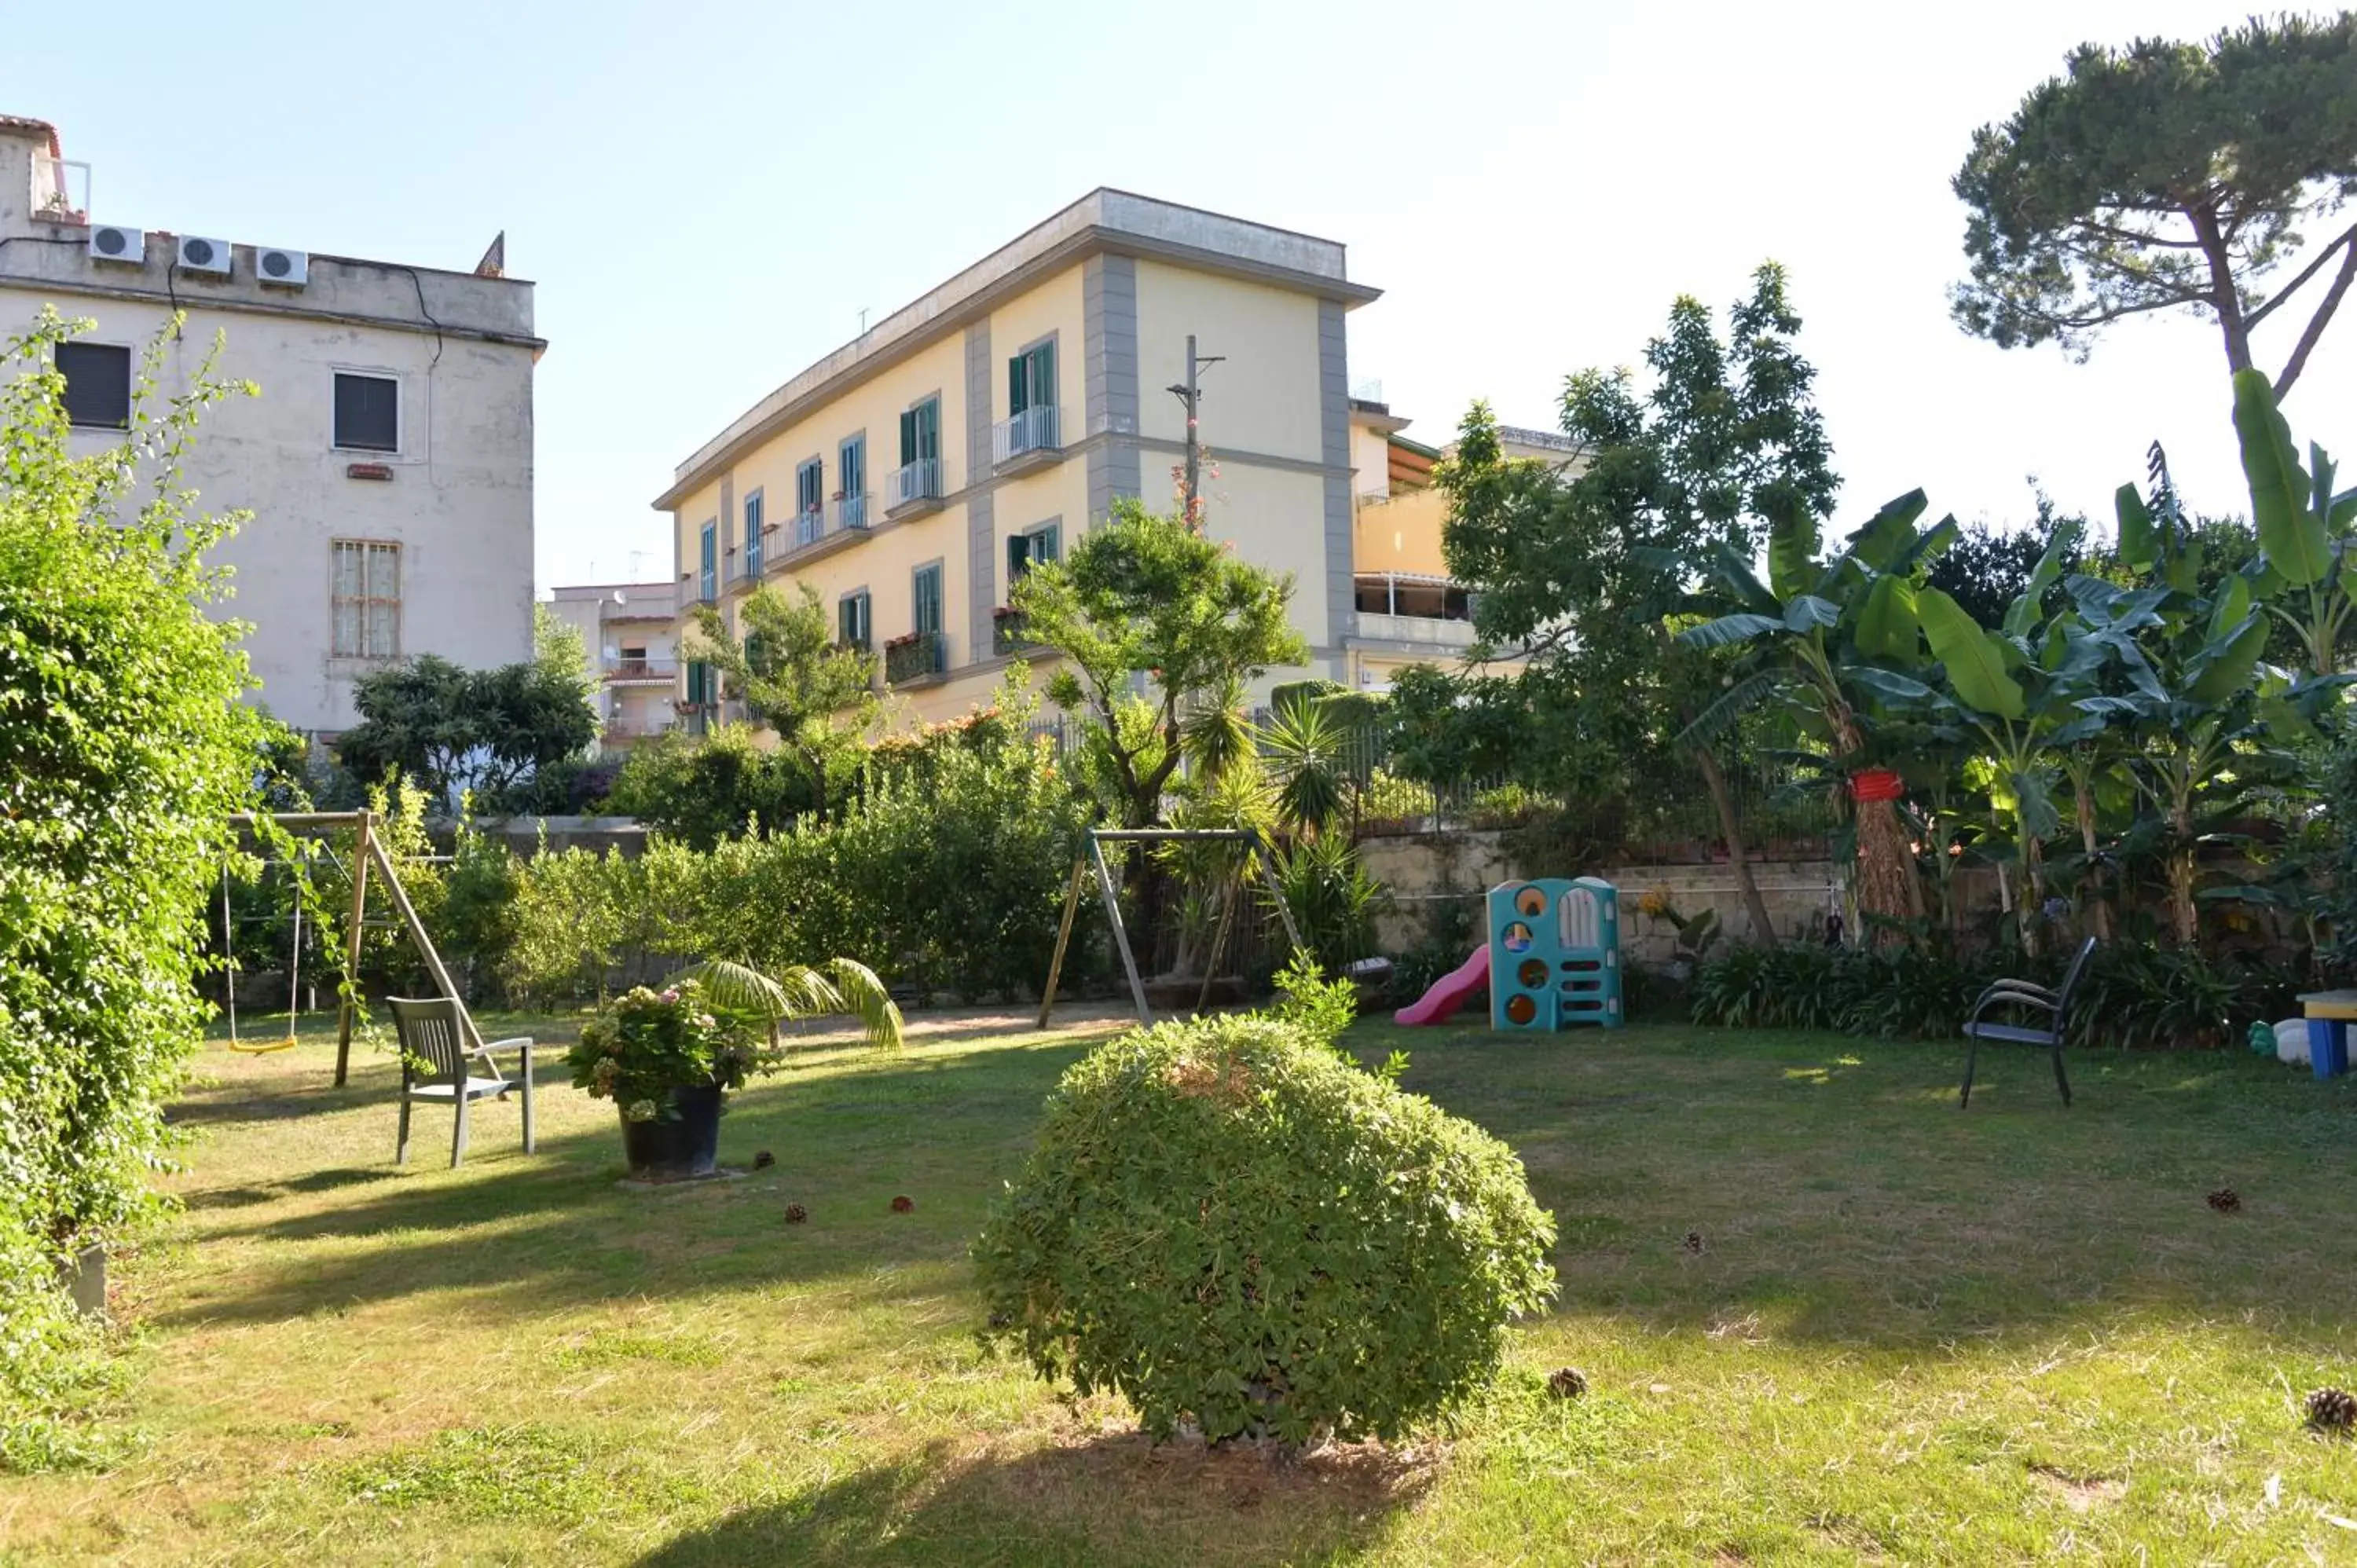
668,1059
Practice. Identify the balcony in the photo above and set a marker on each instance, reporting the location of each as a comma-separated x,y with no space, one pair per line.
818,533
920,656
913,488
1031,440
629,732
638,672
1011,632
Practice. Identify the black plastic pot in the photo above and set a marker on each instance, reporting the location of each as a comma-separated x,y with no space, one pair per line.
684,1143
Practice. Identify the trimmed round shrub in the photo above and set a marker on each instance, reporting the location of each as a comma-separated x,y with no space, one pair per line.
1232,1225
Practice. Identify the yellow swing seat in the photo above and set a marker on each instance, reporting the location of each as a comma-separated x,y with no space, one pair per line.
262,1047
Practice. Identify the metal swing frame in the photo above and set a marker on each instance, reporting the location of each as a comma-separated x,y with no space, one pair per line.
1095,857
368,851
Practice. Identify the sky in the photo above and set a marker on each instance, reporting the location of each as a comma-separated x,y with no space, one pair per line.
707,196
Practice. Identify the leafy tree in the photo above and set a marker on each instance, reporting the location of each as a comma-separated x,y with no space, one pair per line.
1986,569
456,731
1146,596
701,790
2167,177
124,744
1727,445
816,696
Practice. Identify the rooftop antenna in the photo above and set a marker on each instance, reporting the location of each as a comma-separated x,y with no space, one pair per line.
862,321
494,264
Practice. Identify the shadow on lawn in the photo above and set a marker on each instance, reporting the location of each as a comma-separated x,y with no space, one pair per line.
1842,1197
555,1227
1117,1498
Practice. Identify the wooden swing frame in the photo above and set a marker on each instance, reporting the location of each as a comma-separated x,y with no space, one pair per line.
368,851
1095,855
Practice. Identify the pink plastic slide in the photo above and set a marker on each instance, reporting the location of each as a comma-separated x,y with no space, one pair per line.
1450,991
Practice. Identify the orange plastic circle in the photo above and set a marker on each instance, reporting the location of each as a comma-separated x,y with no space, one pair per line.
1530,901
1520,1009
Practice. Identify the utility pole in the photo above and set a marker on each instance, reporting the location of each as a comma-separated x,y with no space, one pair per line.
1191,393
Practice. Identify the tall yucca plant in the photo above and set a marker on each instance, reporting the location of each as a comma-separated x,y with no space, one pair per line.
1304,747
801,991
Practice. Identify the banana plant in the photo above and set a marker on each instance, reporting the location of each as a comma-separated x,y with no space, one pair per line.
1835,640
2309,579
2019,690
2190,700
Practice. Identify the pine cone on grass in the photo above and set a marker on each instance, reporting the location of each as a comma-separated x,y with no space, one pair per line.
902,1205
1693,1243
2226,1200
2332,1410
1567,1382
764,1160
796,1214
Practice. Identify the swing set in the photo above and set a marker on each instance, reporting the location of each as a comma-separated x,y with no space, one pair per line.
368,855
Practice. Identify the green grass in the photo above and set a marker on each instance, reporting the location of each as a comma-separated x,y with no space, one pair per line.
1911,1335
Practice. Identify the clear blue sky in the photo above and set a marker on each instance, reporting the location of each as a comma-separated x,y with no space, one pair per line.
707,194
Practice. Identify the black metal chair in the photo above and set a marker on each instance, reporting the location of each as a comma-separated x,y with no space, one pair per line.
2033,1001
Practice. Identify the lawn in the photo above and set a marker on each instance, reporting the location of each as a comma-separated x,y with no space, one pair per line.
1909,1334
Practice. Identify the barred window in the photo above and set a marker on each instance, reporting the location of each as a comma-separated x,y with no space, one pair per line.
367,599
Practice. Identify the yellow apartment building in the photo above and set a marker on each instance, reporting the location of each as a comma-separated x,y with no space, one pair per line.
912,475
1406,606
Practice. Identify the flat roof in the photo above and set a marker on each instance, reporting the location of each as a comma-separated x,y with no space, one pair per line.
1116,221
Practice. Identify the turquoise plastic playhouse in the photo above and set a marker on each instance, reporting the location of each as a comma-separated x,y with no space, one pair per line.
1555,954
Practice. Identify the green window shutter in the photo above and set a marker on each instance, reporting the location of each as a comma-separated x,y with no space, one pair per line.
908,437
1019,557
1043,373
1016,401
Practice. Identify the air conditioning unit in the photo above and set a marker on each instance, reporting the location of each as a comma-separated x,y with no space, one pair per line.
114,243
288,269
202,255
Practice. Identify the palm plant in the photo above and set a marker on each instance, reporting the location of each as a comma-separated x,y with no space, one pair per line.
800,991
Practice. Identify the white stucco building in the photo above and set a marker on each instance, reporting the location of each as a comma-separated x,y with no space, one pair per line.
387,464
630,644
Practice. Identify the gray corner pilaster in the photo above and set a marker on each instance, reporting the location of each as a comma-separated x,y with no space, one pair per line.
982,553
1334,408
1109,324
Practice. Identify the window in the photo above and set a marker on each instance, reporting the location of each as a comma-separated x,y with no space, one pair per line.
851,619
810,494
709,563
366,600
926,594
368,413
851,468
753,535
1031,378
98,384
701,687
1024,551
921,433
